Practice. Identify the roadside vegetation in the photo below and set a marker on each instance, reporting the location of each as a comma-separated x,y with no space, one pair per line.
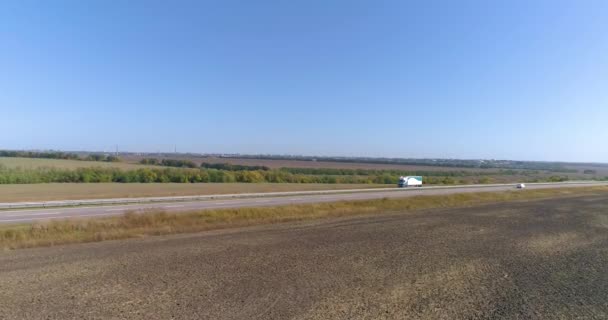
154,223
152,174
167,175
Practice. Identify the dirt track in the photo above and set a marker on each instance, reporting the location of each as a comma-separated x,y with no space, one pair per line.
542,260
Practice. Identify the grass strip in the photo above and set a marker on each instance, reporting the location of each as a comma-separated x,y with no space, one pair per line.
153,223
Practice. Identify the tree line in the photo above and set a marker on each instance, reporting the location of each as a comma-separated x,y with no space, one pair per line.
368,172
190,164
101,157
169,163
42,155
165,175
332,171
197,175
232,167
58,155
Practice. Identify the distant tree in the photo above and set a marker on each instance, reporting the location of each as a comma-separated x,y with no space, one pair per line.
448,180
151,161
231,167
558,179
112,159
95,157
178,163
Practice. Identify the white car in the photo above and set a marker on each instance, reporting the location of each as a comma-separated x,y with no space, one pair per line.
521,186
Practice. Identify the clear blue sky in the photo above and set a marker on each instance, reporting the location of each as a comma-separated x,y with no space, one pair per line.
464,79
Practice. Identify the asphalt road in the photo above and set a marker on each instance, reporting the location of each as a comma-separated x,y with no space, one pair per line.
527,260
42,214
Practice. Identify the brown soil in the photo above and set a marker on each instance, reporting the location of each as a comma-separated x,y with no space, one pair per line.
529,260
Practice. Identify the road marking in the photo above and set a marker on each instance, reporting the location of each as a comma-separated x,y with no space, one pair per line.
295,199
176,206
108,210
261,201
220,203
32,210
23,213
16,220
85,215
49,218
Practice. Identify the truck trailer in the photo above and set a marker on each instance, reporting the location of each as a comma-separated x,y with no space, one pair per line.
410,181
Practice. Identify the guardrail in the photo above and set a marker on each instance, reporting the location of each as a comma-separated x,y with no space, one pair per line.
118,201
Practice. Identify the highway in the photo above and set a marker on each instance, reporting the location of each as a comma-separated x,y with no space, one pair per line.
274,199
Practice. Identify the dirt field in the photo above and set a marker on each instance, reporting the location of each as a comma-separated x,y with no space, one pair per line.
600,169
529,260
77,191
329,164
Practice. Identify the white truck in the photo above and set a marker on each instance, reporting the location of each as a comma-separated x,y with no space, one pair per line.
410,181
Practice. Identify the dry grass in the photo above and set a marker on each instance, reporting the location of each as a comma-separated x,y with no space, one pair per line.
557,243
31,163
78,191
133,225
